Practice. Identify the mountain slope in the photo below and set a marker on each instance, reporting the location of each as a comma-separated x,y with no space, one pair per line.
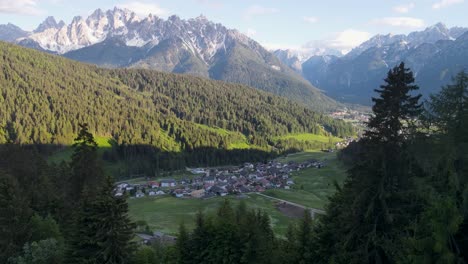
446,63
43,98
119,38
434,54
10,32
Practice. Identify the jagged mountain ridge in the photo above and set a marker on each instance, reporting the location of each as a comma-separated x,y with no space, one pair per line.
119,38
434,55
10,32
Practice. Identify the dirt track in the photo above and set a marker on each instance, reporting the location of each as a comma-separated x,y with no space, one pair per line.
313,211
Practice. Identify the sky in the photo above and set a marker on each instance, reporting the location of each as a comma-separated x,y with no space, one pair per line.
295,24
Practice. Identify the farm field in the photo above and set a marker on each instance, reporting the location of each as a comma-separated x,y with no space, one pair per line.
166,213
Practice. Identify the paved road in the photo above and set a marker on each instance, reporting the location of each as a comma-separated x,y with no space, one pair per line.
313,211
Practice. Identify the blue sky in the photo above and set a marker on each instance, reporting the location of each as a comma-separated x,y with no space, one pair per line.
274,23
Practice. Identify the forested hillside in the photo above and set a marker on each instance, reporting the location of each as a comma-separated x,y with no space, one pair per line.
119,38
44,98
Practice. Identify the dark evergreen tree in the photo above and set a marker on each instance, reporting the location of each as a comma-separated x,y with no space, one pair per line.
304,245
85,167
14,217
288,252
103,231
115,229
447,114
225,247
448,110
376,204
184,252
82,243
201,238
395,110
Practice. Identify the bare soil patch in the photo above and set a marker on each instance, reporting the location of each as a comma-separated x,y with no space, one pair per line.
290,210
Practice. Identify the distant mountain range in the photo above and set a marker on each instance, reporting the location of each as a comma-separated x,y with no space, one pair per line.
119,38
434,54
295,58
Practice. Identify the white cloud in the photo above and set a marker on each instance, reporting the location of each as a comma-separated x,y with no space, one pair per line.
345,40
403,9
446,3
257,10
407,22
310,20
143,8
251,32
276,46
22,7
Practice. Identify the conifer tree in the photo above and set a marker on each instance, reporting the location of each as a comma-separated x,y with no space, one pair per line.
304,237
289,246
183,246
14,218
115,229
448,116
85,167
103,231
375,206
224,247
448,109
395,109
201,238
82,243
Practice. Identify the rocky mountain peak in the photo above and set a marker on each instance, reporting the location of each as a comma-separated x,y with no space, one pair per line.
97,14
76,20
439,27
174,18
11,32
48,23
199,35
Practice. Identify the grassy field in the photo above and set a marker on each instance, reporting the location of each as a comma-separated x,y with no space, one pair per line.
238,140
312,186
167,213
310,137
66,153
307,155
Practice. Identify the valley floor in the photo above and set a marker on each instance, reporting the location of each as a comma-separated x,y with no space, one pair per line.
311,189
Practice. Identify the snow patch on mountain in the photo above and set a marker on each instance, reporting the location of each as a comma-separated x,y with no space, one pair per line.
198,35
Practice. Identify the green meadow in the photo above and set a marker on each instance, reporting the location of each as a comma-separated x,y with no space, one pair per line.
166,213
311,137
312,186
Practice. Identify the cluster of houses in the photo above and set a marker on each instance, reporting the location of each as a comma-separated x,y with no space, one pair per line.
211,182
350,114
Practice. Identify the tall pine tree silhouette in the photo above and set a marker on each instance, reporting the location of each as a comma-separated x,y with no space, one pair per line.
395,109
85,167
101,230
373,208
